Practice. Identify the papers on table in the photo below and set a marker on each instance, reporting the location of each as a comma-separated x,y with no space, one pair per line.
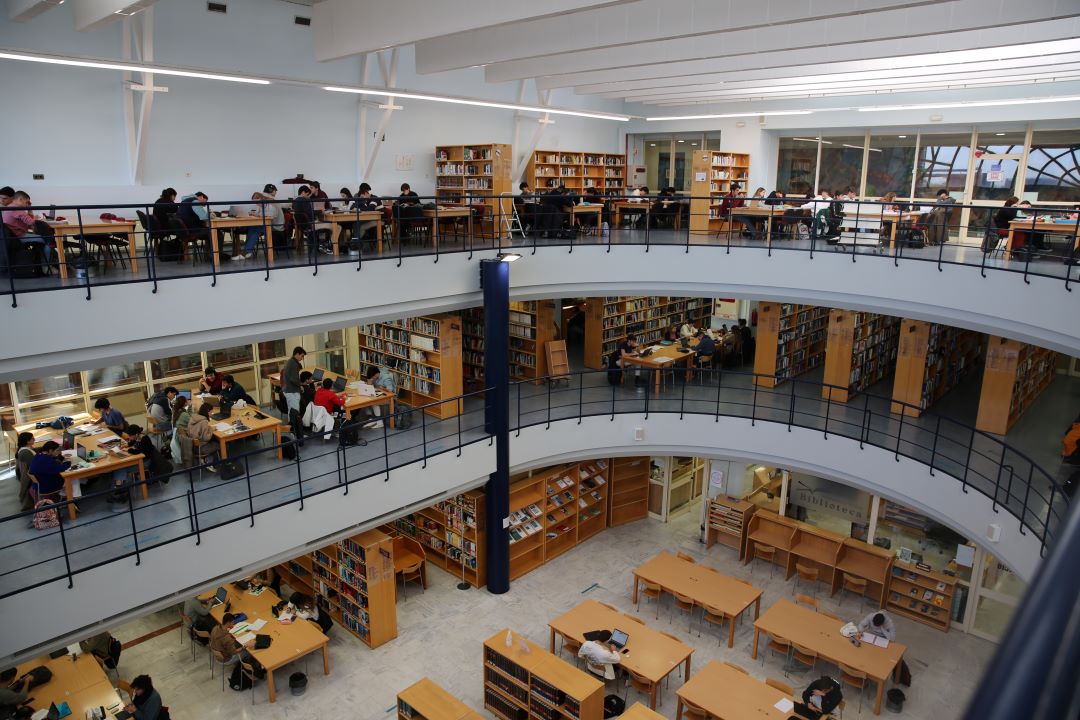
257,625
94,430
664,359
223,427
245,638
872,639
784,705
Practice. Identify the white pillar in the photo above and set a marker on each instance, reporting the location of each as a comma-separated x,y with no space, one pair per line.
785,478
875,503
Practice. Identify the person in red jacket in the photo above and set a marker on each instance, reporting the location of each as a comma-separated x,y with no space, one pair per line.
326,398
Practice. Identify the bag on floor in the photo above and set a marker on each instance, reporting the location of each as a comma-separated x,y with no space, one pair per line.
614,706
288,447
169,250
403,416
28,261
238,680
230,469
45,515
349,434
614,373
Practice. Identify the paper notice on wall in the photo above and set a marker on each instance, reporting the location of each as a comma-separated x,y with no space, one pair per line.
716,479
965,555
700,177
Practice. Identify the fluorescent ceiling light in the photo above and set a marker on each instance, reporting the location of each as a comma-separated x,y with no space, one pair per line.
128,67
813,140
732,115
974,103
860,147
682,141
901,136
999,134
481,103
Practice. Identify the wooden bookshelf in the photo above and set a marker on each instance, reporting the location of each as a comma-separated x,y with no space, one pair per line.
629,490
861,350
865,561
524,679
338,577
424,354
608,321
576,170
555,509
728,520
1015,374
725,168
425,700
453,533
532,324
473,174
922,595
931,359
791,340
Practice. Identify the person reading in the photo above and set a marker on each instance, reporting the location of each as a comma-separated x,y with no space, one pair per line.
600,654
820,698
880,624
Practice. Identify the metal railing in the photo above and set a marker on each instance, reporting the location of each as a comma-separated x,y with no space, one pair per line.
196,501
867,229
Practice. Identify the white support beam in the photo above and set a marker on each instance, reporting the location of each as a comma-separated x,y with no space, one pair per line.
361,122
138,44
389,77
27,10
544,96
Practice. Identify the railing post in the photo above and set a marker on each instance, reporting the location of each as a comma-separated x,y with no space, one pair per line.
460,409
148,247
64,547
933,448
435,228
719,387
299,482
862,423
997,480
82,249
580,396
682,398
134,530
753,408
343,466
194,510
423,435
1046,524
828,406
386,448
548,425
251,500
518,410
899,437
1027,494
648,385
613,386
791,406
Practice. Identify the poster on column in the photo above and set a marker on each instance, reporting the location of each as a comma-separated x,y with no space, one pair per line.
725,311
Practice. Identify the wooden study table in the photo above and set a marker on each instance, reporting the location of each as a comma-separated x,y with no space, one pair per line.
98,227
663,357
652,654
336,217
1051,228
577,212
447,212
618,206
701,583
408,552
637,711
108,461
80,682
290,642
727,694
760,211
430,701
221,223
822,634
255,426
353,400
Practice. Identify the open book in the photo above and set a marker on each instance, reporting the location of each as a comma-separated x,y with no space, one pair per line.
872,639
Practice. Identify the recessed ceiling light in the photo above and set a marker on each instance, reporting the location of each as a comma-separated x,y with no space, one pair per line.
999,134
652,144
901,136
693,144
682,141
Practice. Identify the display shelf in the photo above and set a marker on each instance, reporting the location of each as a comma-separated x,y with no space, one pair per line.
426,700
922,595
1016,373
728,521
577,170
791,340
629,490
861,350
931,360
609,320
424,355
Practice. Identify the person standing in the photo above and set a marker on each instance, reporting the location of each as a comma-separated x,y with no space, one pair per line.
23,455
290,378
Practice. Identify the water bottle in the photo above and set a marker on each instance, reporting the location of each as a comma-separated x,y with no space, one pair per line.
604,230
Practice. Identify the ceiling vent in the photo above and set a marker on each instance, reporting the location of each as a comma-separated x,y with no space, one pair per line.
305,21
216,7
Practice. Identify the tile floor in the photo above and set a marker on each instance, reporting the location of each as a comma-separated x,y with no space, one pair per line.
440,635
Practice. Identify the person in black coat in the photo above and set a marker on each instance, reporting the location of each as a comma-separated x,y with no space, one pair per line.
820,698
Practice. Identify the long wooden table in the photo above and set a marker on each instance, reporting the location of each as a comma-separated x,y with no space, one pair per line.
447,212
290,641
98,227
619,206
255,427
579,211
703,584
221,223
822,634
761,211
637,711
353,399
343,216
1051,228
660,359
80,682
107,462
728,694
651,653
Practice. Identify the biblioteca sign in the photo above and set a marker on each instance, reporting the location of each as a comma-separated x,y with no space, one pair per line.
831,497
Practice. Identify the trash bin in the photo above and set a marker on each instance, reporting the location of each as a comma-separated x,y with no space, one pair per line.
894,700
298,683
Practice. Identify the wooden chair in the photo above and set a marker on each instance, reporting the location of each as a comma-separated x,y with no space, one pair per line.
704,364
413,573
219,660
352,374
641,684
803,655
808,601
654,592
781,686
197,634
733,666
124,685
806,573
778,645
828,614
766,553
248,671
855,585
185,624
683,604
854,678
571,646
684,556
693,712
715,617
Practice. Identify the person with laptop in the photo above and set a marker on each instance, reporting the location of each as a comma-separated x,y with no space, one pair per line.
232,391
600,653
109,416
364,201
145,701
629,349
211,381
706,347
46,468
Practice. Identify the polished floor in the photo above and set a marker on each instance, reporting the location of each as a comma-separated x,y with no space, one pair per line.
440,633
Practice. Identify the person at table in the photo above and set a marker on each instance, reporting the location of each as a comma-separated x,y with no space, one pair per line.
20,224
629,349
599,652
159,412
527,198
195,216
706,346
319,198
819,698
552,212
665,209
267,578
307,609
373,376
100,646
46,468
227,648
199,611
345,199
304,216
290,378
210,382
234,391
13,692
879,623
145,701
202,433
1005,215
165,209
365,201
265,204
24,453
327,399
776,197
109,416
407,204
6,193
137,443
180,444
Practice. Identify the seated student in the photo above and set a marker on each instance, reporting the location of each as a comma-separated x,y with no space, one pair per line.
304,217
201,619
527,198
319,413
109,416
629,349
372,376
345,199
165,209
46,468
820,698
99,646
306,609
194,215
319,199
599,654
706,346
326,398
13,692
202,435
252,234
307,390
665,209
211,381
365,201
266,578
407,205
227,650
153,464
234,391
386,381
159,414
878,623
552,212
180,444
21,224
24,453
776,197
145,701
1002,219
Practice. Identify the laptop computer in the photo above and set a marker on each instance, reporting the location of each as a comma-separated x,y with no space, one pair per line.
646,352
224,410
684,342
317,374
186,394
219,597
339,384
619,638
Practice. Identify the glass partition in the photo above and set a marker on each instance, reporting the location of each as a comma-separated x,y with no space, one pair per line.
942,164
890,165
796,165
1053,167
841,163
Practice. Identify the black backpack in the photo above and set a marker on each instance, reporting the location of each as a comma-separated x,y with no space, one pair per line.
28,261
169,249
614,373
115,647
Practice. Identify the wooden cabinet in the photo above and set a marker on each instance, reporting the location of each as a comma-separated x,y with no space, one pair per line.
522,680
861,350
576,170
629,490
791,340
931,359
609,320
728,519
1015,374
922,595
424,354
425,700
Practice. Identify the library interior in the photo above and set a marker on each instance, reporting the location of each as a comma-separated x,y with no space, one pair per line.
665,363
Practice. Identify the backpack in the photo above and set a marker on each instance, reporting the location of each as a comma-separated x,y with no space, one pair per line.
230,469
614,706
403,416
288,447
169,249
1070,444
115,647
614,373
238,680
349,434
45,515
28,261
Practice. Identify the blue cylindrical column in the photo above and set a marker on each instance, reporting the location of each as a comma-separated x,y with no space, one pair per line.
495,281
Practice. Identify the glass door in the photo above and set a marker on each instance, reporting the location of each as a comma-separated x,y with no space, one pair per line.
668,158
994,175
998,592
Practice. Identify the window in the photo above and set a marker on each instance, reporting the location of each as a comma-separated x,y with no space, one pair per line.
942,164
1001,143
51,387
179,365
796,165
272,349
230,356
1053,169
841,163
116,376
889,169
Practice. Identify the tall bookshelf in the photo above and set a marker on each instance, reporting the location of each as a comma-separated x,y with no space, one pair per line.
426,700
791,340
532,324
576,170
473,173
629,490
352,580
522,680
931,359
725,168
861,350
1016,373
453,533
555,509
608,320
424,354
922,595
